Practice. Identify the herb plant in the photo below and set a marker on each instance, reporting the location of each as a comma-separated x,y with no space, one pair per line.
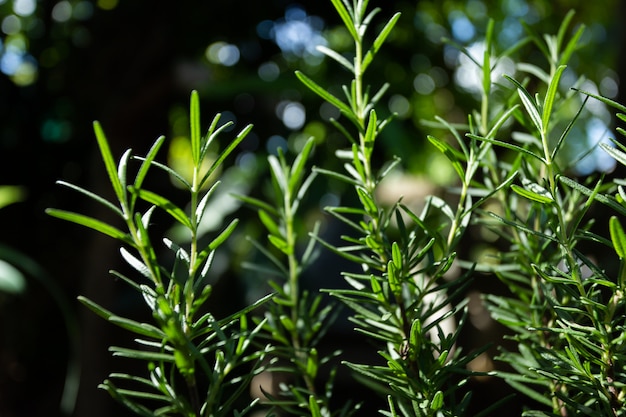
515,178
196,364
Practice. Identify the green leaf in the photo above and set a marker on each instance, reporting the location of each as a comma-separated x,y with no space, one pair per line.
368,202
312,363
147,161
314,407
396,255
224,235
109,162
378,42
507,145
618,237
569,127
176,212
607,200
370,134
337,57
141,354
529,103
91,223
357,164
571,45
395,283
486,67
224,154
347,18
280,244
534,192
194,120
453,155
269,223
257,203
437,401
317,89
548,103
143,329
615,153
607,101
278,173
204,201
93,196
336,175
297,168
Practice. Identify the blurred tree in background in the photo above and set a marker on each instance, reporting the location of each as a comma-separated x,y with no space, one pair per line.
132,64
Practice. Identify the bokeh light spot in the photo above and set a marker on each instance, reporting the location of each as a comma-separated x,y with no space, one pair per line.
223,53
107,4
400,105
462,29
83,10
62,11
268,71
424,84
274,142
292,114
11,25
24,7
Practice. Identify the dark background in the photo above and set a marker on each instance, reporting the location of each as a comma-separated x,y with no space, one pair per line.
131,65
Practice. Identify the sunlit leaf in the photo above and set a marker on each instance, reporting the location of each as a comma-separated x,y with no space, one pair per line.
529,103
176,212
93,196
313,86
379,41
346,17
224,154
534,192
618,237
109,162
91,223
194,120
297,168
550,96
336,56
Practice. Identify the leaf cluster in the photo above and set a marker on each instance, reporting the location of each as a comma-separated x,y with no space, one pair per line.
185,342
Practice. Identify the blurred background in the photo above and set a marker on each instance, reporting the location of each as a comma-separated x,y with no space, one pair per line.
132,64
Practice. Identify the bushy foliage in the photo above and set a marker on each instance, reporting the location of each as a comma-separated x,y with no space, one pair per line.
565,312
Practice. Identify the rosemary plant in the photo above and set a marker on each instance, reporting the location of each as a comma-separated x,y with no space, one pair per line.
565,312
400,299
563,309
183,343
295,320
